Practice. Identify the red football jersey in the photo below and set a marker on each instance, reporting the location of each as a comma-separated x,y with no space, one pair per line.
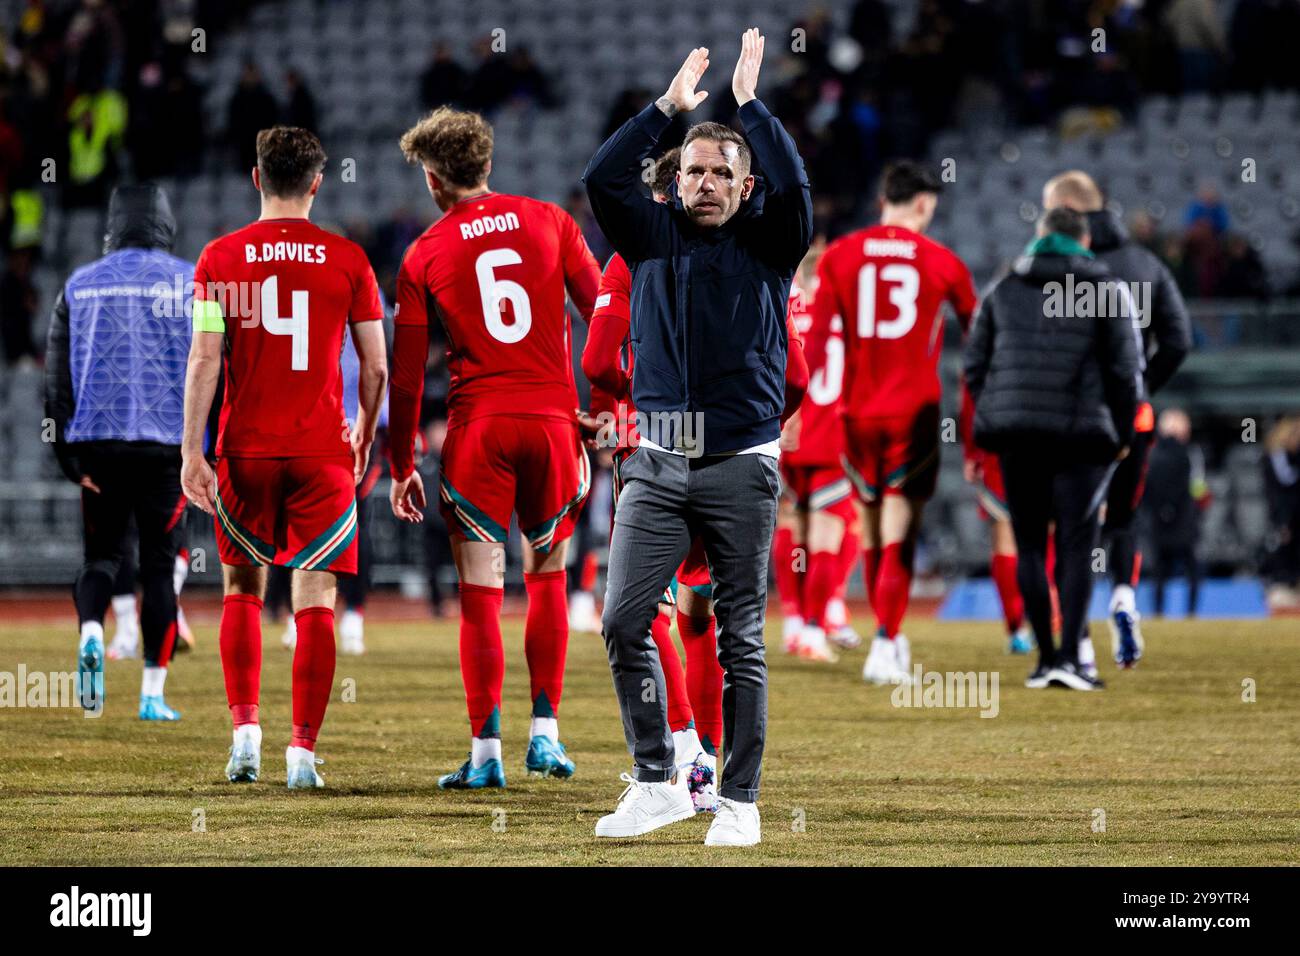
494,270
888,284
821,437
287,290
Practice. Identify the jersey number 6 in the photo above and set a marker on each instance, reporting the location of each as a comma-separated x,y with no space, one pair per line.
493,291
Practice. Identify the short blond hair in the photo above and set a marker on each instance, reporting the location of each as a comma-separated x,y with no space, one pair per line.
455,144
1073,188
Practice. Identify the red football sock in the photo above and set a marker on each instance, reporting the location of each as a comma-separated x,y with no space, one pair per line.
849,553
546,638
703,677
241,655
482,660
313,673
871,572
893,587
1050,565
1004,576
590,568
679,702
788,583
819,584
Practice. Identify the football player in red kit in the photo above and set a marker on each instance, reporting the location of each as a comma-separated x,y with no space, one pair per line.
817,514
889,282
494,271
273,301
983,470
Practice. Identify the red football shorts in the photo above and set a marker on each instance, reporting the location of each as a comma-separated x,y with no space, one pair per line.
818,488
295,512
893,456
694,572
498,465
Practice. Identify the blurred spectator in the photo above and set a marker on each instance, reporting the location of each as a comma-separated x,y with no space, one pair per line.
508,76
1175,494
444,81
1262,36
252,109
1208,206
1243,275
18,304
301,110
1199,37
97,121
1281,564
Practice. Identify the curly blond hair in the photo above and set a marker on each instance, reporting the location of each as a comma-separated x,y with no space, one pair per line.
455,144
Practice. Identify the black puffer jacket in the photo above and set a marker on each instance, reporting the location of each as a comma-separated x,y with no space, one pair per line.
1166,329
1061,382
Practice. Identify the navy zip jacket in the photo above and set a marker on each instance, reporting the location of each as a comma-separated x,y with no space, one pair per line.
708,305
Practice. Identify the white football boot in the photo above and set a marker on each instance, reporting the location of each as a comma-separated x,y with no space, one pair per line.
352,633
790,628
813,645
245,755
885,662
583,618
290,636
301,764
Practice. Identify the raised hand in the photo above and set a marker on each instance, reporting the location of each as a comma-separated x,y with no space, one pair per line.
682,97
744,82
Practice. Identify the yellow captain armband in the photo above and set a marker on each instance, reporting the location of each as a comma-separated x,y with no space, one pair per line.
208,317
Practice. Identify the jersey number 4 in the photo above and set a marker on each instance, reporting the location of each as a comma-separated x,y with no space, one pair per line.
295,324
904,283
493,291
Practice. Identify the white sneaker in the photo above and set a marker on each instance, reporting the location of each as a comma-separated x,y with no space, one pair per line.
813,646
582,613
290,636
352,634
301,765
245,755
736,824
644,807
123,647
883,665
790,628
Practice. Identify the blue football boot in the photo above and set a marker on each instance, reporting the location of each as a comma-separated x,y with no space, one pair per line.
90,673
153,707
470,777
1022,641
547,758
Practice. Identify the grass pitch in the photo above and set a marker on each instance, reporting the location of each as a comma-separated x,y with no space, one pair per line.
1182,768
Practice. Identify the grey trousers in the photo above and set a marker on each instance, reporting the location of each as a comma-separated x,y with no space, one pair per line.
665,501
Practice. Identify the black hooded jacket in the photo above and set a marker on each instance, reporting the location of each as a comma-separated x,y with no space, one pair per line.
139,217
1166,328
1067,384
